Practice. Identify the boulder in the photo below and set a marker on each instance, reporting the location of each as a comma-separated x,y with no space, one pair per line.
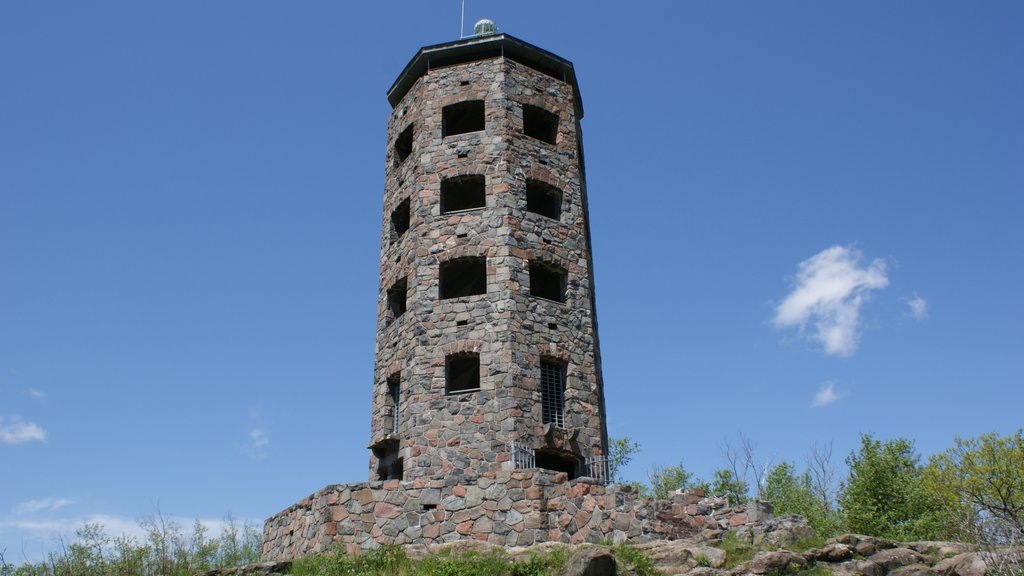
913,570
833,552
894,558
775,561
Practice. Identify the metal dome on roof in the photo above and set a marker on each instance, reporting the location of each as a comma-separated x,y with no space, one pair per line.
484,27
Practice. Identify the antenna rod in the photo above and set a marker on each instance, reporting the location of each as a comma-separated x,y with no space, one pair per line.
462,22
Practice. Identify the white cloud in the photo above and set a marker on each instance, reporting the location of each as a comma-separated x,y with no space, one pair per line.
829,289
259,439
826,395
36,393
44,505
918,307
14,430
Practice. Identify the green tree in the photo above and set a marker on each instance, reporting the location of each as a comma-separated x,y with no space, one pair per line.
791,493
980,485
665,479
884,494
620,453
725,483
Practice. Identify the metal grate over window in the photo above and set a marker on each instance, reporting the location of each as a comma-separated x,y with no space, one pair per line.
552,392
394,399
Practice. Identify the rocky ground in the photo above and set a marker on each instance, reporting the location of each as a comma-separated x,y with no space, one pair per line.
779,549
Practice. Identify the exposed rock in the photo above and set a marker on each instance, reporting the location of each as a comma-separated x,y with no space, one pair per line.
776,561
834,552
259,569
864,545
913,570
676,556
894,558
856,568
591,561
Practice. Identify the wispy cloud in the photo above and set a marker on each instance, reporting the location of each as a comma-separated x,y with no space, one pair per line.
826,395
829,290
259,440
14,430
44,505
918,307
36,393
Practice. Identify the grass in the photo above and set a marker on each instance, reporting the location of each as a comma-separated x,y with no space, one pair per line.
392,561
736,551
634,560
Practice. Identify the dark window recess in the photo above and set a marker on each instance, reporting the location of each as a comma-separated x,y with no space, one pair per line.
463,277
543,199
547,281
397,295
403,145
552,392
463,193
540,124
389,466
394,401
462,373
557,462
400,219
462,117
462,322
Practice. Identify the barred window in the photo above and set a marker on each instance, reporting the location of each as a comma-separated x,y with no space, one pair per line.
552,392
394,399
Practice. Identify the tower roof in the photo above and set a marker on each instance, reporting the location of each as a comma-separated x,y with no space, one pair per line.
481,48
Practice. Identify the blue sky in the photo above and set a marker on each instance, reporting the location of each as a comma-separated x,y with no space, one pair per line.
806,223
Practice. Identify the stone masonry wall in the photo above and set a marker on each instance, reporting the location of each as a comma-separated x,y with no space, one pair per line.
517,508
437,433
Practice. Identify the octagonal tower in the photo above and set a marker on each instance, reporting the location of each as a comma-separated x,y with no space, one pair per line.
487,353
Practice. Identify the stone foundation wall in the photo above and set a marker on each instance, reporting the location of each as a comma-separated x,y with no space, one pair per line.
517,508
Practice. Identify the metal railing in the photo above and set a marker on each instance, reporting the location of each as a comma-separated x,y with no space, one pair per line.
596,467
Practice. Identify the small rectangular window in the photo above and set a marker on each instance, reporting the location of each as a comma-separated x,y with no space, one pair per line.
397,296
394,399
547,281
552,392
403,145
462,373
462,118
540,124
543,199
400,220
463,193
463,277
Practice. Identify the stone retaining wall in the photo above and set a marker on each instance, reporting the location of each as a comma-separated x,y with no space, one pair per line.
517,508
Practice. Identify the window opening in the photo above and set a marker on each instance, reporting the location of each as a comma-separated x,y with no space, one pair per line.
463,193
462,322
552,392
403,145
394,400
462,118
552,326
463,277
540,124
462,373
543,199
397,296
557,462
400,219
547,281
389,466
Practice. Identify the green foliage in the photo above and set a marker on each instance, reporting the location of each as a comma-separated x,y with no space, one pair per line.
392,561
979,484
633,560
736,551
166,551
795,494
884,494
665,479
725,483
620,453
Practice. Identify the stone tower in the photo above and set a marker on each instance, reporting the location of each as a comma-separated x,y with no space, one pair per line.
487,353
